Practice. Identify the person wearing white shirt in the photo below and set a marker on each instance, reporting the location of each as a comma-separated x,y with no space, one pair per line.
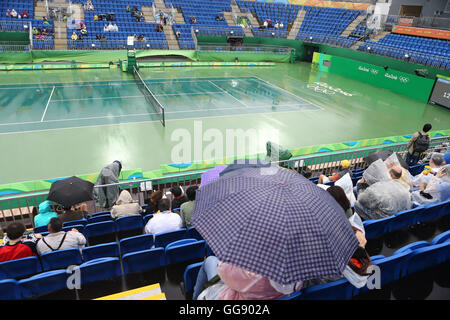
163,221
58,239
276,25
281,25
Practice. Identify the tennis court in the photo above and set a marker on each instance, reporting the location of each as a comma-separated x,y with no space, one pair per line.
65,105
78,121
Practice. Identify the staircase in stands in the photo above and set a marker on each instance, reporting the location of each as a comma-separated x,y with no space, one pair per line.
352,26
236,12
168,30
292,34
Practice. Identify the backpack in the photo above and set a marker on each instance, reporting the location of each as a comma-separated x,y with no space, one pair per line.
421,144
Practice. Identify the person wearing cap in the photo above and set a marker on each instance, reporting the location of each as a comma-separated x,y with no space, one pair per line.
345,168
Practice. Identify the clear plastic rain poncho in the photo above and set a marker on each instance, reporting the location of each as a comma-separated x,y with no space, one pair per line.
384,196
437,190
239,284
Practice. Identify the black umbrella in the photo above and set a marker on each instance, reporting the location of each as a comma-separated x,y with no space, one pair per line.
383,155
71,191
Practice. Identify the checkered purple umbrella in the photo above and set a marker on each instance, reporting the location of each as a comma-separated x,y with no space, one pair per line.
279,225
212,174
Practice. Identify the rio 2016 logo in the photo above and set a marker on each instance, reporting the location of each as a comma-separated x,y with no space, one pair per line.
325,88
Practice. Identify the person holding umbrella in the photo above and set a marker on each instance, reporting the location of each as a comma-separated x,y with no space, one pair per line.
280,228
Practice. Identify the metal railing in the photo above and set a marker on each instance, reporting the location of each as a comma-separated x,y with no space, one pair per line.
20,207
334,41
420,22
219,31
116,44
14,46
11,25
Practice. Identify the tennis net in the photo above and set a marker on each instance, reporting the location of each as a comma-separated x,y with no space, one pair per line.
149,97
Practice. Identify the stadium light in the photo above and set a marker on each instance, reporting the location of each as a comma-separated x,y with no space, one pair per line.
93,45
368,48
406,56
310,38
231,32
273,34
148,45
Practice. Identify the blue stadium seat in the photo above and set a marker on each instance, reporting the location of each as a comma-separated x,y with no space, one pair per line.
423,258
192,233
190,276
99,269
143,260
61,259
129,226
184,250
79,227
137,243
100,213
441,238
44,283
377,227
75,222
10,290
40,229
99,218
102,250
337,290
412,246
20,267
164,238
100,232
147,217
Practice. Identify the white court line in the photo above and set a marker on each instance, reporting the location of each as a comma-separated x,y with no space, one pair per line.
225,91
152,113
147,121
97,98
48,102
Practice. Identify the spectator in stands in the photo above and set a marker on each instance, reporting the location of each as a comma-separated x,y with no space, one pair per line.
45,214
84,32
435,164
125,206
128,8
277,25
400,174
178,197
89,6
219,17
45,21
106,197
74,36
103,37
281,25
447,158
95,17
436,190
153,201
74,213
193,20
163,221
383,196
58,239
98,37
115,28
159,27
35,31
217,280
339,195
8,13
80,37
345,168
141,37
17,246
265,24
13,13
187,208
178,34
418,144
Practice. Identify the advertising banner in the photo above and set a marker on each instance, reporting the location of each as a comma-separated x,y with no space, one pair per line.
422,32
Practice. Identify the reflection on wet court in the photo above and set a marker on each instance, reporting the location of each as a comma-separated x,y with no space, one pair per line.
97,103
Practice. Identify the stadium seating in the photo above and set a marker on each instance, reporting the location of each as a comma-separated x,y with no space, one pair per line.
184,250
43,283
164,238
143,260
190,276
99,218
20,267
129,226
60,259
100,232
75,222
10,289
102,250
127,26
99,269
136,243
